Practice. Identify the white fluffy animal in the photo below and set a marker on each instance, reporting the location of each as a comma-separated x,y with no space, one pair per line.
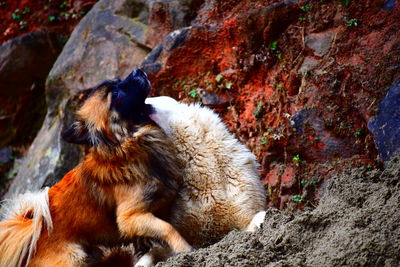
221,189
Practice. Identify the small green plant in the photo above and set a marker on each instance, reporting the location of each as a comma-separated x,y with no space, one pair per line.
352,23
23,24
228,85
298,198
221,82
264,140
273,46
345,2
306,8
219,77
311,182
296,159
193,93
15,15
52,18
257,111
357,133
64,4
26,10
65,15
302,19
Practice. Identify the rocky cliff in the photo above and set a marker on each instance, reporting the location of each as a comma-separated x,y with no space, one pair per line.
310,86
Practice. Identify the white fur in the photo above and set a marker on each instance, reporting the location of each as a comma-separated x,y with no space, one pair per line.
256,222
222,186
145,261
15,248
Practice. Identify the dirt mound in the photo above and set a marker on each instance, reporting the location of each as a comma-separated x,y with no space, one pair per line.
357,223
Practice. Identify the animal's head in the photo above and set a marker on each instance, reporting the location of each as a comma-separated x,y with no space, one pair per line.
112,111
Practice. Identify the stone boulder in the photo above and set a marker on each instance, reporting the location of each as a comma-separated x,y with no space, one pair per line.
25,63
165,16
386,125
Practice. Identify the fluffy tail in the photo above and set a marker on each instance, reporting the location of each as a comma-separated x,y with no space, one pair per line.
23,219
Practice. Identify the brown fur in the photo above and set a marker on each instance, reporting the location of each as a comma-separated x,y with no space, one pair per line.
123,189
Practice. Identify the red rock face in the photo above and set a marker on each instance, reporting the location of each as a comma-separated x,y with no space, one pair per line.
22,16
296,82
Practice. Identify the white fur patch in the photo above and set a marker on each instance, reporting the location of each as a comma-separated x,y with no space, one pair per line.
18,240
222,183
145,261
256,222
166,108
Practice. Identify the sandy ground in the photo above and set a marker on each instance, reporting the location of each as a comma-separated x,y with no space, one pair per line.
357,223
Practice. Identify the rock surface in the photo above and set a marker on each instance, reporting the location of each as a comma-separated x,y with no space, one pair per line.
25,63
21,17
386,125
275,62
320,43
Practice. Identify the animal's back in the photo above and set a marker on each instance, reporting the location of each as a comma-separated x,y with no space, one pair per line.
222,189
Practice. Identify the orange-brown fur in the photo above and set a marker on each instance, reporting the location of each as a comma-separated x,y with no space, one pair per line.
117,193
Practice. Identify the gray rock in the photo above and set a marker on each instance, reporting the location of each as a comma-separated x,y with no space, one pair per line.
389,4
155,60
386,125
30,56
24,65
167,16
307,120
6,154
107,43
320,43
309,63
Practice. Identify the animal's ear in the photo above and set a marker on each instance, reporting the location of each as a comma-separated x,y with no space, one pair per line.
77,133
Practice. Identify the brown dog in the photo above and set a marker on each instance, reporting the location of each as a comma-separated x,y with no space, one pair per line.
123,189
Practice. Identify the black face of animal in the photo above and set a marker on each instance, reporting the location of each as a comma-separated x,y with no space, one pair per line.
128,97
112,111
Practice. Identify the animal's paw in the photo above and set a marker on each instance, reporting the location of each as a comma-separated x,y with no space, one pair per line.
145,261
256,222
